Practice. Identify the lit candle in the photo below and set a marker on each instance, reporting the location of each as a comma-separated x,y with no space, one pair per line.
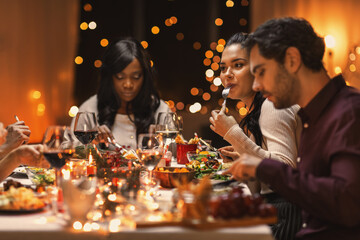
66,174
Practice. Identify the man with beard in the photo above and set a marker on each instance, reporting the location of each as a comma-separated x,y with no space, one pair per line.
286,60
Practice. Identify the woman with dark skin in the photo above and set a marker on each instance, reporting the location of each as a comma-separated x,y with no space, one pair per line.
127,101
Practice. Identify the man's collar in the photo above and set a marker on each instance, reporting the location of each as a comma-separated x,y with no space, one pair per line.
313,110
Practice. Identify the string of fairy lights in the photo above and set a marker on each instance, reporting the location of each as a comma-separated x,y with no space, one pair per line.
211,62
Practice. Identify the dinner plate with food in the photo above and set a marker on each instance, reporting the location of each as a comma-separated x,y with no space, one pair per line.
19,199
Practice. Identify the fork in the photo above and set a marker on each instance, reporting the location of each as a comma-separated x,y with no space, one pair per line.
225,94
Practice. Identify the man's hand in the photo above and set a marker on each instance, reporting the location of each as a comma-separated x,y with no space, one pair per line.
220,122
244,168
17,134
228,154
3,133
28,154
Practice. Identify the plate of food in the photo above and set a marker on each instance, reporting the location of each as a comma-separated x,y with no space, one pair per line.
21,200
206,163
41,176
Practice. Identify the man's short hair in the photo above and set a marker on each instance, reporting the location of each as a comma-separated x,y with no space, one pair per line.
276,35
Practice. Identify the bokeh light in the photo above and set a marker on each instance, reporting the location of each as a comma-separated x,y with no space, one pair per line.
79,60
173,20
104,42
220,48
337,70
357,50
155,29
213,88
84,26
87,7
214,66
204,110
244,3
180,106
352,56
217,81
36,94
77,225
168,22
206,96
209,54
194,91
352,68
218,22
209,73
180,36
171,104
207,62
221,41
329,41
197,45
145,44
92,25
243,111
216,59
213,45
98,63
240,104
229,3
73,111
242,22
40,109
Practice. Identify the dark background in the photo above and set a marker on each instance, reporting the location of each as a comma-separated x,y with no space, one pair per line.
179,66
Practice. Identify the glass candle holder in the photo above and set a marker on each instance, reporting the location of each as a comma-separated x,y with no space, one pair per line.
182,150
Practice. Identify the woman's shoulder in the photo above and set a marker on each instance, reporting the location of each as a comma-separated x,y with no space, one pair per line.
163,107
90,105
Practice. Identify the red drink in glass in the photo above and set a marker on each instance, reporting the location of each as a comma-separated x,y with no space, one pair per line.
182,150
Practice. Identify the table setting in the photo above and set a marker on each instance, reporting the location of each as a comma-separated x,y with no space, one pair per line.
167,184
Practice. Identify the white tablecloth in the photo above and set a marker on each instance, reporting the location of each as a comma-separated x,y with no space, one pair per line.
32,226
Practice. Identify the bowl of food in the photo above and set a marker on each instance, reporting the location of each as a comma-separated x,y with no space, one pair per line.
41,176
201,155
170,177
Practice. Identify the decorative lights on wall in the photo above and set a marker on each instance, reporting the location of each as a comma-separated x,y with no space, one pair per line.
211,60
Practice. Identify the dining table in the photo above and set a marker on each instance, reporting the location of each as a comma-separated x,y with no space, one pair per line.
44,224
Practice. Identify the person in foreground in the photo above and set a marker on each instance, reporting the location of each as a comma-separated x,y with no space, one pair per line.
265,132
25,154
13,136
286,60
126,102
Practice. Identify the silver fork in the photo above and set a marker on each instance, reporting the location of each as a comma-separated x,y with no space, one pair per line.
225,94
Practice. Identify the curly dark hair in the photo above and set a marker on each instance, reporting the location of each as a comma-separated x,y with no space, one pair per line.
276,35
117,57
251,121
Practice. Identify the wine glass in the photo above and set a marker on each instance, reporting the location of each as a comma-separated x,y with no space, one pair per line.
150,150
58,147
167,128
85,128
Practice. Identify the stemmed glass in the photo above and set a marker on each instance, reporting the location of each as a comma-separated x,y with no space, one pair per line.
85,128
150,150
167,127
58,147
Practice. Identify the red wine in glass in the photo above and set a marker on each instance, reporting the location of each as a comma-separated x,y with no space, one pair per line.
57,159
85,137
85,128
